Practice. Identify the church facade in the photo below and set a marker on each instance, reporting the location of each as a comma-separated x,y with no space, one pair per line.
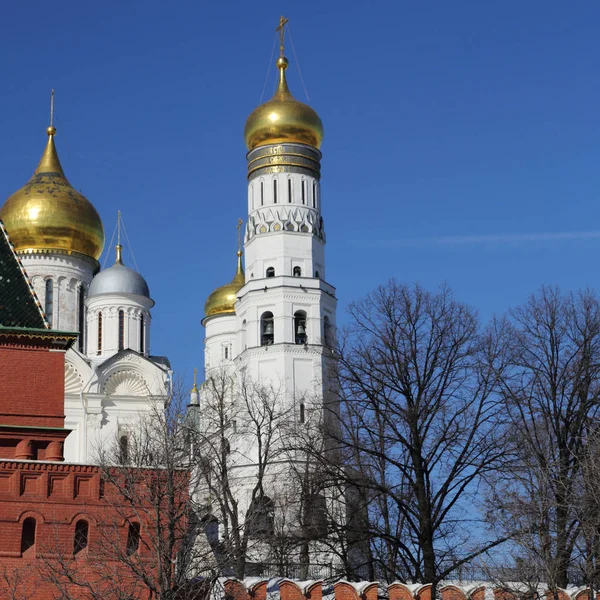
110,377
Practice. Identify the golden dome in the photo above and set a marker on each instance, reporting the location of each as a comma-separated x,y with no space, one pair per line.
49,214
283,119
223,299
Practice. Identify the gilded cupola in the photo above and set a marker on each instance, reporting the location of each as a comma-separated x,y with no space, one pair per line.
283,119
223,299
48,214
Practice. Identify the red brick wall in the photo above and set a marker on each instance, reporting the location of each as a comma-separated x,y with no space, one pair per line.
32,386
57,495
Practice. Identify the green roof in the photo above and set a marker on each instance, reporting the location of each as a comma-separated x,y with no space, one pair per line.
19,306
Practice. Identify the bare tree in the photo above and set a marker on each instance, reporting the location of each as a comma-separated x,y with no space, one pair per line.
237,444
146,543
421,429
549,384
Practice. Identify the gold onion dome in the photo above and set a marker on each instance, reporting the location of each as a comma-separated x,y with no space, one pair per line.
223,299
283,119
49,214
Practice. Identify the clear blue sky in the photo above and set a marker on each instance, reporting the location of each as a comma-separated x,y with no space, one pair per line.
461,138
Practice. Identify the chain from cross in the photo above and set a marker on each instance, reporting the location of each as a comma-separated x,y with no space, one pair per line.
282,23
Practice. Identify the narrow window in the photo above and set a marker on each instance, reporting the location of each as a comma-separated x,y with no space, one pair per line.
99,333
303,192
133,538
300,327
314,195
274,191
290,191
302,415
317,274
252,195
234,426
121,330
226,352
297,272
28,534
271,272
48,307
262,193
327,332
267,332
80,541
244,346
142,334
123,450
81,315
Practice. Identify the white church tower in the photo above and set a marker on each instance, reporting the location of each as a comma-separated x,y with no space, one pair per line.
275,322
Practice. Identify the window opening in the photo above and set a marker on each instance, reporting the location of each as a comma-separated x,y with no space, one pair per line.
142,334
266,329
274,191
261,517
80,541
123,450
81,315
303,192
133,538
99,333
302,414
121,330
262,193
271,272
297,272
49,305
28,534
226,352
290,191
314,195
300,327
327,331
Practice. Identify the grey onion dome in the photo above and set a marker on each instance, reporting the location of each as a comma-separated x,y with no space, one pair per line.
119,279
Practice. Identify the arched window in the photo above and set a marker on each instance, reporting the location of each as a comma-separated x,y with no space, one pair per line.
49,303
290,191
80,541
226,352
317,274
244,346
274,191
262,193
81,316
142,334
300,327
314,195
315,516
261,517
99,333
302,413
28,534
327,333
303,192
123,450
271,272
297,272
267,331
133,538
121,330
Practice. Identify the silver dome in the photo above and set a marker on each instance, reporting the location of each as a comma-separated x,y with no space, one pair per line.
119,279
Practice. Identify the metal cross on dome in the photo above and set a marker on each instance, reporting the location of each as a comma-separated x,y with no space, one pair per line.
282,23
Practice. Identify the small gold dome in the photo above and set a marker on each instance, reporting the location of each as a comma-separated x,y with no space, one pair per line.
49,214
223,299
283,119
